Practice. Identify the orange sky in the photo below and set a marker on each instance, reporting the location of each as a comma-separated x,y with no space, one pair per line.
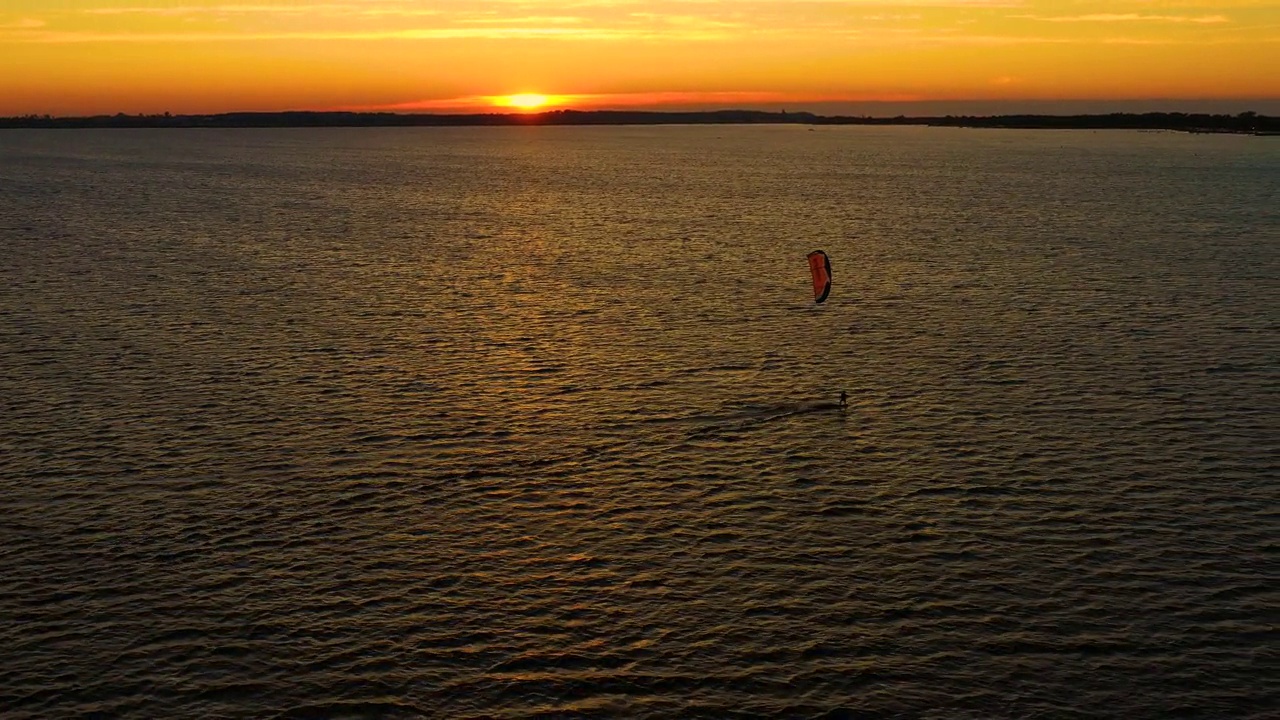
70,57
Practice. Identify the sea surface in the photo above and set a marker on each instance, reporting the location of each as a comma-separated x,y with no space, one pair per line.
541,422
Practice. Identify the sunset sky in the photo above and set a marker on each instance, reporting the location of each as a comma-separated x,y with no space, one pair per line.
70,57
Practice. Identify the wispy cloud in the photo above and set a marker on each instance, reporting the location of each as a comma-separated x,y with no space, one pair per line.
475,103
902,37
491,33
23,24
883,23
363,9
501,7
1130,18
685,20
891,17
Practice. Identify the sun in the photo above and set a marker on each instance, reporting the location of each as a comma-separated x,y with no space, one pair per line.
524,101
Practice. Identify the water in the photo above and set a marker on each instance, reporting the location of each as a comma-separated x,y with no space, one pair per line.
539,422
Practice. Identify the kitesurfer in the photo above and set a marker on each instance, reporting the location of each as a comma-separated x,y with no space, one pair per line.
844,399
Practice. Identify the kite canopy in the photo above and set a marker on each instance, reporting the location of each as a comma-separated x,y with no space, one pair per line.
820,266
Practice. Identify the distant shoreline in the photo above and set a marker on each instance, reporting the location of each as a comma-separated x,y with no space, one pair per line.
1244,123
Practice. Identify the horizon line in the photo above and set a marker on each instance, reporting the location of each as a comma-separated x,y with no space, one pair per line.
642,111
1244,123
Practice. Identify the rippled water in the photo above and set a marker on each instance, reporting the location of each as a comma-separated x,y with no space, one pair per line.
540,422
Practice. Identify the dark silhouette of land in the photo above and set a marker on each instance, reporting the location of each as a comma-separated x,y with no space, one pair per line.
1247,123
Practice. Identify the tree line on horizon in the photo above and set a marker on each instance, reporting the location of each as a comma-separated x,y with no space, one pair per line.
1245,122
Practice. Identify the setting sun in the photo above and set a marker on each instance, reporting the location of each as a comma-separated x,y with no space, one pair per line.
524,101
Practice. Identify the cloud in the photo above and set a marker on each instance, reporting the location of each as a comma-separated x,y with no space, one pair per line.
730,98
889,17
23,24
444,7
1130,17
480,33
365,9
871,22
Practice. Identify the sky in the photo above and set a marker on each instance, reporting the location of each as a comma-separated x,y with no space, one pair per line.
875,57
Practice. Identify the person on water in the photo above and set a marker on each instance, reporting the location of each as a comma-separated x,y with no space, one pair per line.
844,399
